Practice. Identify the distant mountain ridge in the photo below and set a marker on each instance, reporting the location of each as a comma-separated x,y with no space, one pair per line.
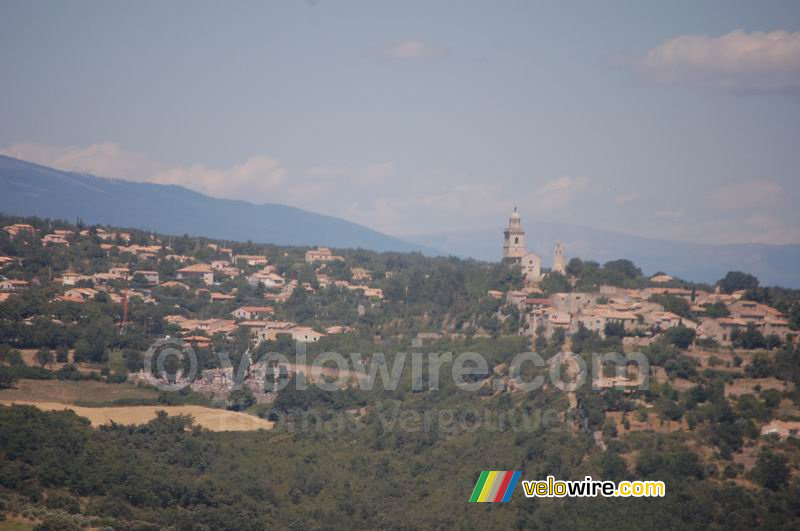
772,264
32,190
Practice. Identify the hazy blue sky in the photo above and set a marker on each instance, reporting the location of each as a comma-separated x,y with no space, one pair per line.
672,119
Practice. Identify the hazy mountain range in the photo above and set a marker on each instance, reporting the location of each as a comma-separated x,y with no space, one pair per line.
32,190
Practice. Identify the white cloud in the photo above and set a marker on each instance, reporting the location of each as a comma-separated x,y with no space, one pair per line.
737,61
411,49
256,179
106,159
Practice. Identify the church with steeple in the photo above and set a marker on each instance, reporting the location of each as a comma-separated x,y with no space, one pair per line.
514,250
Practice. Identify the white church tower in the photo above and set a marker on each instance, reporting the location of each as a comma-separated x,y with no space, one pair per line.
514,250
514,241
559,261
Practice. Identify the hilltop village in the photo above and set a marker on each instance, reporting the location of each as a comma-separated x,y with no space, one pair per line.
546,302
642,313
80,305
211,296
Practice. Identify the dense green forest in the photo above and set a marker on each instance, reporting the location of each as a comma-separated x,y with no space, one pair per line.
165,474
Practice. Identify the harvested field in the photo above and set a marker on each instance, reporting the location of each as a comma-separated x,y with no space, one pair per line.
68,392
209,418
17,523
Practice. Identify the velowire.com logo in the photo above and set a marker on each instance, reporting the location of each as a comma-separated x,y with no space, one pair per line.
495,486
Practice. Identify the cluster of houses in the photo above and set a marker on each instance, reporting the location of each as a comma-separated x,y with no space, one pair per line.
63,236
258,320
632,309
195,277
639,315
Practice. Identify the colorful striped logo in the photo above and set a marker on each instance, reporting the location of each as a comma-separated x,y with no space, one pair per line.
495,486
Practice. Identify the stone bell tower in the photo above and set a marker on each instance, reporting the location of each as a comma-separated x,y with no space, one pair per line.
559,260
514,237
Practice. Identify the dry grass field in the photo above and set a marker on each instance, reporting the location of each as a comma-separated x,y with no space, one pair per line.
62,394
16,523
69,392
209,418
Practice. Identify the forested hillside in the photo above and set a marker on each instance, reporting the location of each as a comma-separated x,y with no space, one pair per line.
714,424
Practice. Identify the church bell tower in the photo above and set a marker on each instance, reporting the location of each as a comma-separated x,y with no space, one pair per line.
514,237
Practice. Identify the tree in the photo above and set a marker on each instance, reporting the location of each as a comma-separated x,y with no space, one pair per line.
760,367
771,470
44,356
394,290
669,410
11,356
681,367
773,341
57,523
680,336
97,334
62,354
133,359
7,377
750,338
671,303
299,306
575,267
736,280
612,466
624,267
241,399
555,282
717,309
92,351
614,329
787,363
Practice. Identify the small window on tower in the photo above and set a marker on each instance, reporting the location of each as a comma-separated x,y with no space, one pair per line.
516,240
